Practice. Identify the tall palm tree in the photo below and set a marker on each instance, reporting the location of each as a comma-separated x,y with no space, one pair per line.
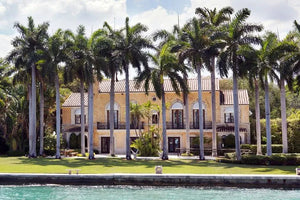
100,48
238,33
56,54
176,37
252,63
76,68
26,52
214,20
111,71
166,65
194,49
129,50
285,53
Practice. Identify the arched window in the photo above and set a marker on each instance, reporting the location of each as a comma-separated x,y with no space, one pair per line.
228,115
116,115
196,115
155,117
78,117
177,115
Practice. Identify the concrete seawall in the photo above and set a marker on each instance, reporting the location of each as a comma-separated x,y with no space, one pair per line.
247,181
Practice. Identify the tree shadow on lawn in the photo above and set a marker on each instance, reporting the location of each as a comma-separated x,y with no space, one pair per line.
110,162
119,162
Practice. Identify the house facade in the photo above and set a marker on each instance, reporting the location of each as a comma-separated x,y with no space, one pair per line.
177,136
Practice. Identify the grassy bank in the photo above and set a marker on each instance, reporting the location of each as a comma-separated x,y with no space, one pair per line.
118,165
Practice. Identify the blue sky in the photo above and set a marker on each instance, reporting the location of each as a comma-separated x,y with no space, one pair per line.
136,6
275,15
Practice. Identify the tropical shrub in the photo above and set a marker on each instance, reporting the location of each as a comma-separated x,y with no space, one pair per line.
148,143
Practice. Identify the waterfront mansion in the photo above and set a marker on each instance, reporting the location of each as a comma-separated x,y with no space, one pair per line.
177,136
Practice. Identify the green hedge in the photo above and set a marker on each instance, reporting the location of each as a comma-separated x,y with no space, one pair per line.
293,126
275,159
276,148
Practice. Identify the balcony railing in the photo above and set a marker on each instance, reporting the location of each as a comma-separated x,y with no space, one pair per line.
206,125
120,125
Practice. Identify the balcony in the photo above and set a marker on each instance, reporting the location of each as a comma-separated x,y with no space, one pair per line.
118,126
207,125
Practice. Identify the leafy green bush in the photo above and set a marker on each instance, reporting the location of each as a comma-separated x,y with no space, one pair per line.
229,141
254,160
148,143
230,156
275,159
15,153
293,125
276,148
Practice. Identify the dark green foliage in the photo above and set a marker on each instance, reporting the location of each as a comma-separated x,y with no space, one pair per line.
3,146
254,160
275,159
276,148
15,153
229,141
293,134
147,144
75,141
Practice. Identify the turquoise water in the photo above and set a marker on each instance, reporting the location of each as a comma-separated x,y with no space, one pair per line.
136,193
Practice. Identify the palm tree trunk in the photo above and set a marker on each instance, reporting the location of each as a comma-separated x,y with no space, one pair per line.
257,116
213,109
268,123
283,118
164,124
112,115
42,102
236,117
30,120
201,156
33,135
90,113
82,116
128,153
57,98
187,117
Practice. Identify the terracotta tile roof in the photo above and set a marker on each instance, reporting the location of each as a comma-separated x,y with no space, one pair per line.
104,86
74,100
242,95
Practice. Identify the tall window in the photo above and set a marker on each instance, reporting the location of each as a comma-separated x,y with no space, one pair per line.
196,115
228,115
116,115
155,117
177,116
78,117
116,118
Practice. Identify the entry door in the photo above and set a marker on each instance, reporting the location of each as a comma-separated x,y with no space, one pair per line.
105,141
173,144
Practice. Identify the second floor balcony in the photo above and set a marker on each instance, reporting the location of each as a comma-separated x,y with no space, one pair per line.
119,125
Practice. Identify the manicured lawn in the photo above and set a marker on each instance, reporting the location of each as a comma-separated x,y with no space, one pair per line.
118,165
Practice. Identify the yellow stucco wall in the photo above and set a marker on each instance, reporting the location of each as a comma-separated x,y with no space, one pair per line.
101,100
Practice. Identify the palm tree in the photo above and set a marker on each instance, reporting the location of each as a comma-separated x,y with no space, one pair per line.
285,53
76,68
175,37
194,48
100,48
238,33
55,55
129,50
212,21
111,71
26,51
166,66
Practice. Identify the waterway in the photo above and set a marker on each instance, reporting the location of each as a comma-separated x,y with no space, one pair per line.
136,193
